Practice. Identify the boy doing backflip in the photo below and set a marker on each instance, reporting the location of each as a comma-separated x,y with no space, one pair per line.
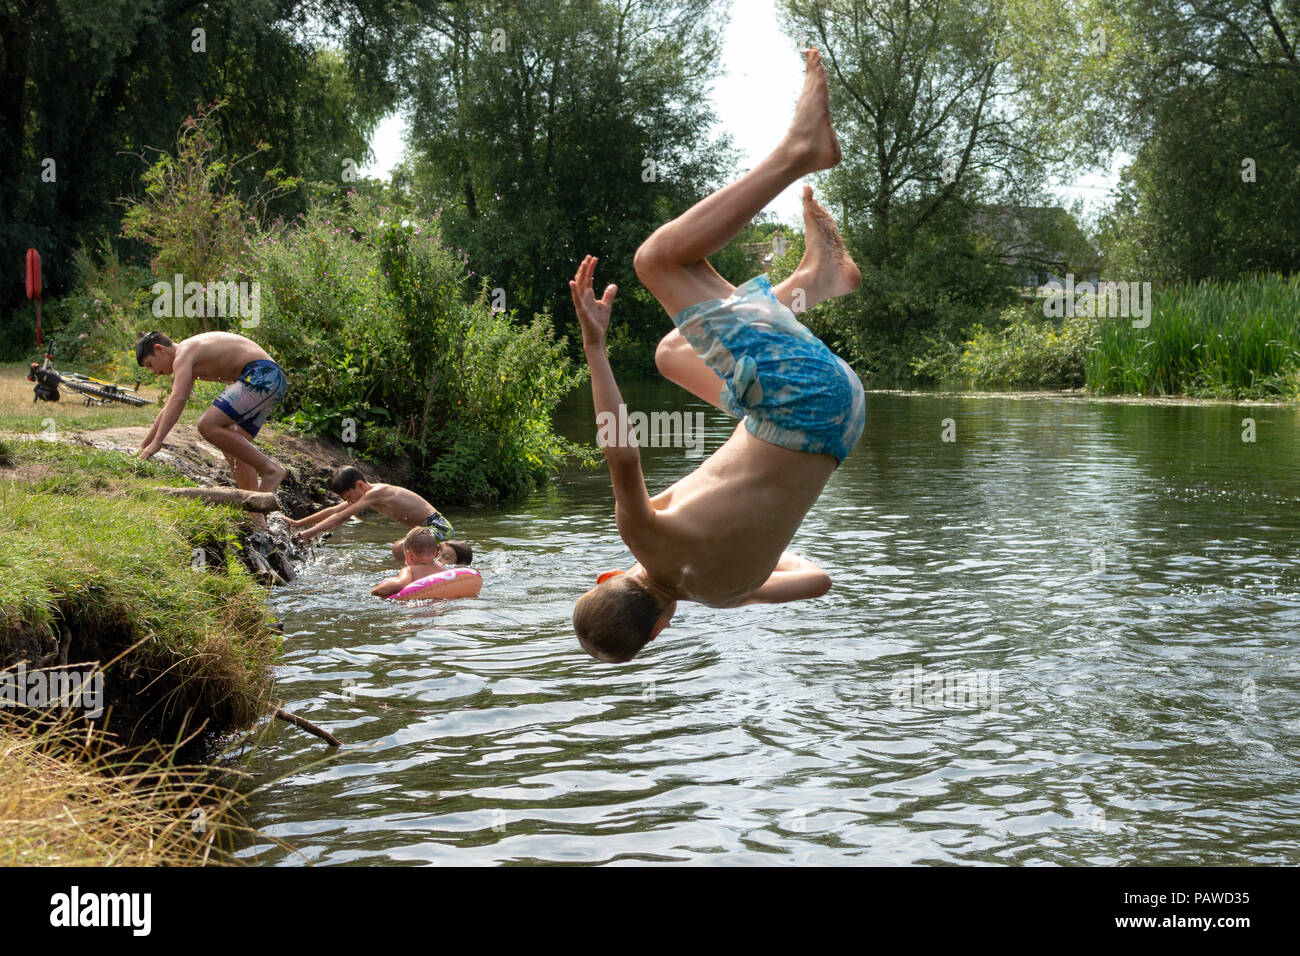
718,536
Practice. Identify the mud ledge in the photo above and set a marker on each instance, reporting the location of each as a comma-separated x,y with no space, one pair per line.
96,561
99,565
98,573
310,462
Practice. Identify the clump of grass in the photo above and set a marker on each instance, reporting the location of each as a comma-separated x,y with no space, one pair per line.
1238,339
70,797
94,562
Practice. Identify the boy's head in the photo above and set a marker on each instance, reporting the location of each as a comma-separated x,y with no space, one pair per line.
349,484
456,552
421,546
618,617
155,352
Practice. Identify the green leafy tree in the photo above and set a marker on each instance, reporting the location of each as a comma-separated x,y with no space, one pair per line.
548,129
90,86
929,106
1214,188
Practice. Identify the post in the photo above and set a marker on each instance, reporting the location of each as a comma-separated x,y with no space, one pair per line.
34,287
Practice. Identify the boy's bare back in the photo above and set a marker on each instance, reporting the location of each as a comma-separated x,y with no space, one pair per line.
715,535
218,356
400,504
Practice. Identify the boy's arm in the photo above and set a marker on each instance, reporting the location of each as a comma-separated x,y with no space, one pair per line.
318,516
633,510
340,515
390,586
182,385
794,579
153,430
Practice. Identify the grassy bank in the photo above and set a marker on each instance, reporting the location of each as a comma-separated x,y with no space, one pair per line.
20,415
1213,339
97,567
92,562
1220,340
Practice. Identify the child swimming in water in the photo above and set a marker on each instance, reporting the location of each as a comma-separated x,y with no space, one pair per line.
236,415
718,536
392,501
420,550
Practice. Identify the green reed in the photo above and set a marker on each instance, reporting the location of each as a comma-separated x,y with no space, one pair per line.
1232,339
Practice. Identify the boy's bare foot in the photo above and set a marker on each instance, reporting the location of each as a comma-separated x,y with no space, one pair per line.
270,480
826,269
811,137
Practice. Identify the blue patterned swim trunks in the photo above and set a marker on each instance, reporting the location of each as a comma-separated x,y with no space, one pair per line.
250,399
787,386
442,529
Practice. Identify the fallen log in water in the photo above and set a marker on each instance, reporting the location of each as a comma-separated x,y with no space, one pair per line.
261,502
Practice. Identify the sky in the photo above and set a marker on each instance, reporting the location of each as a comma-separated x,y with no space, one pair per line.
762,72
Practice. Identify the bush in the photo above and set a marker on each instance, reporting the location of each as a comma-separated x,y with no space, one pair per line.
629,355
18,335
194,217
93,329
384,344
1027,352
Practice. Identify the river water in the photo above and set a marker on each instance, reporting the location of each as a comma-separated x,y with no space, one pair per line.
1069,635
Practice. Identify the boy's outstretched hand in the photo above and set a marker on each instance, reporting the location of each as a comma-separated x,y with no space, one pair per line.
593,313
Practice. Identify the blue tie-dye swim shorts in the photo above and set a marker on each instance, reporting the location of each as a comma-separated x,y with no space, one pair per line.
787,386
249,400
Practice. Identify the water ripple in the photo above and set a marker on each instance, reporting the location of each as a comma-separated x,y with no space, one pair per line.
1067,638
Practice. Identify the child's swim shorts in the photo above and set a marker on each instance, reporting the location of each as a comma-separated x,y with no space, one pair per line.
252,396
442,529
787,386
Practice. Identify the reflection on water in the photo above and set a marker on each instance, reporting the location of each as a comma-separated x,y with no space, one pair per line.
1067,637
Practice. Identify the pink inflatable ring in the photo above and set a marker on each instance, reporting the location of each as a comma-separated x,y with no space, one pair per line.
452,583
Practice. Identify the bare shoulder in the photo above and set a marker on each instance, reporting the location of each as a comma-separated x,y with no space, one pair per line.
203,343
652,535
189,349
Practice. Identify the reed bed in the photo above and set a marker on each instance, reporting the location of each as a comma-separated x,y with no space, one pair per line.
1238,339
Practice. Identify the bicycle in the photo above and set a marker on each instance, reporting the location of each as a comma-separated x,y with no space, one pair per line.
95,391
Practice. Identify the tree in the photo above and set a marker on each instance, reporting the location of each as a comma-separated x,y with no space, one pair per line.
1214,189
88,87
931,112
548,129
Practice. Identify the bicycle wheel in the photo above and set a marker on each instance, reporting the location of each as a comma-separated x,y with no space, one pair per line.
107,392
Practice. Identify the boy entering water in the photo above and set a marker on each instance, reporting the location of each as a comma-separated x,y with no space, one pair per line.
392,501
718,536
257,384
